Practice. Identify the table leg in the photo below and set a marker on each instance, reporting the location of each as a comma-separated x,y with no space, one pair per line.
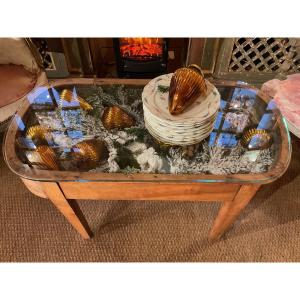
55,195
230,210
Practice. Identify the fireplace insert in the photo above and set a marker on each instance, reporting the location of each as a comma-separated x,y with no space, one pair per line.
141,57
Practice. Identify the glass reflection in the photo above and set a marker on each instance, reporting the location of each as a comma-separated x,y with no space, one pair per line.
218,120
67,122
227,140
241,109
19,122
267,121
56,96
40,96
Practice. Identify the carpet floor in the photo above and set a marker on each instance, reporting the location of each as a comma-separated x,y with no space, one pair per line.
32,230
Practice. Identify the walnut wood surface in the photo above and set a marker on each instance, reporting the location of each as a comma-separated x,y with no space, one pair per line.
149,191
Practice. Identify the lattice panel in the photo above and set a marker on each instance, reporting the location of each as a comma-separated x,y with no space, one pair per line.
42,47
265,55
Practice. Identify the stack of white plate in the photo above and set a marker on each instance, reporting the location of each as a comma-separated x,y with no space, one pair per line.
188,128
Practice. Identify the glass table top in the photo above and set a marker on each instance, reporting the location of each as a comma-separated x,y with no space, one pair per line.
96,132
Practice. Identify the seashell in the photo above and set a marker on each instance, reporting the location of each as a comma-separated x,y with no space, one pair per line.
91,150
115,117
256,139
187,85
37,132
67,95
44,157
48,157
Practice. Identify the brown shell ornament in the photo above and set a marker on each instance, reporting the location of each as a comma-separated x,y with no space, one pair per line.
256,139
90,150
37,132
187,85
115,117
44,157
68,96
48,157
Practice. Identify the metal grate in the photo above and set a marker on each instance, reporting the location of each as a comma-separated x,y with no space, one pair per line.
265,55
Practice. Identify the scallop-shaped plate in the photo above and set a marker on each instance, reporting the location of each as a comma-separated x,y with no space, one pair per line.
187,125
175,139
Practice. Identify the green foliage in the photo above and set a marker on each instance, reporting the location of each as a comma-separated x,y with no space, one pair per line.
163,88
139,132
125,157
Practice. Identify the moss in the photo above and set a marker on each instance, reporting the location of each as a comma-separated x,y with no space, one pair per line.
126,159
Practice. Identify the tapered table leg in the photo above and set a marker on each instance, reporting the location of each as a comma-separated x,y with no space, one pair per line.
55,195
230,210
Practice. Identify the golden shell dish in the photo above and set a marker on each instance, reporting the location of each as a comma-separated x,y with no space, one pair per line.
187,85
37,132
115,117
263,139
44,157
67,95
91,150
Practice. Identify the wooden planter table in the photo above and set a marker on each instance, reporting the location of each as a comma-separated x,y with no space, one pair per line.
63,188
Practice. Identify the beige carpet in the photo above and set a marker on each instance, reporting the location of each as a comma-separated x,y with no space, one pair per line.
32,230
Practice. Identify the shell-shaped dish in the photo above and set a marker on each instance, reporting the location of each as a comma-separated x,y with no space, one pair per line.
37,132
187,84
48,157
68,96
115,117
91,150
256,139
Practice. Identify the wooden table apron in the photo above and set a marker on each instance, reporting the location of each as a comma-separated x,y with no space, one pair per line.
234,197
64,188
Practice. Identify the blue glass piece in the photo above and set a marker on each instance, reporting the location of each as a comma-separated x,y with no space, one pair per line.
227,140
212,138
27,142
226,125
40,96
266,122
223,104
75,134
272,105
20,122
56,96
218,120
255,142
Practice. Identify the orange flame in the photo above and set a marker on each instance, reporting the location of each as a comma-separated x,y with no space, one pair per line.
141,48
